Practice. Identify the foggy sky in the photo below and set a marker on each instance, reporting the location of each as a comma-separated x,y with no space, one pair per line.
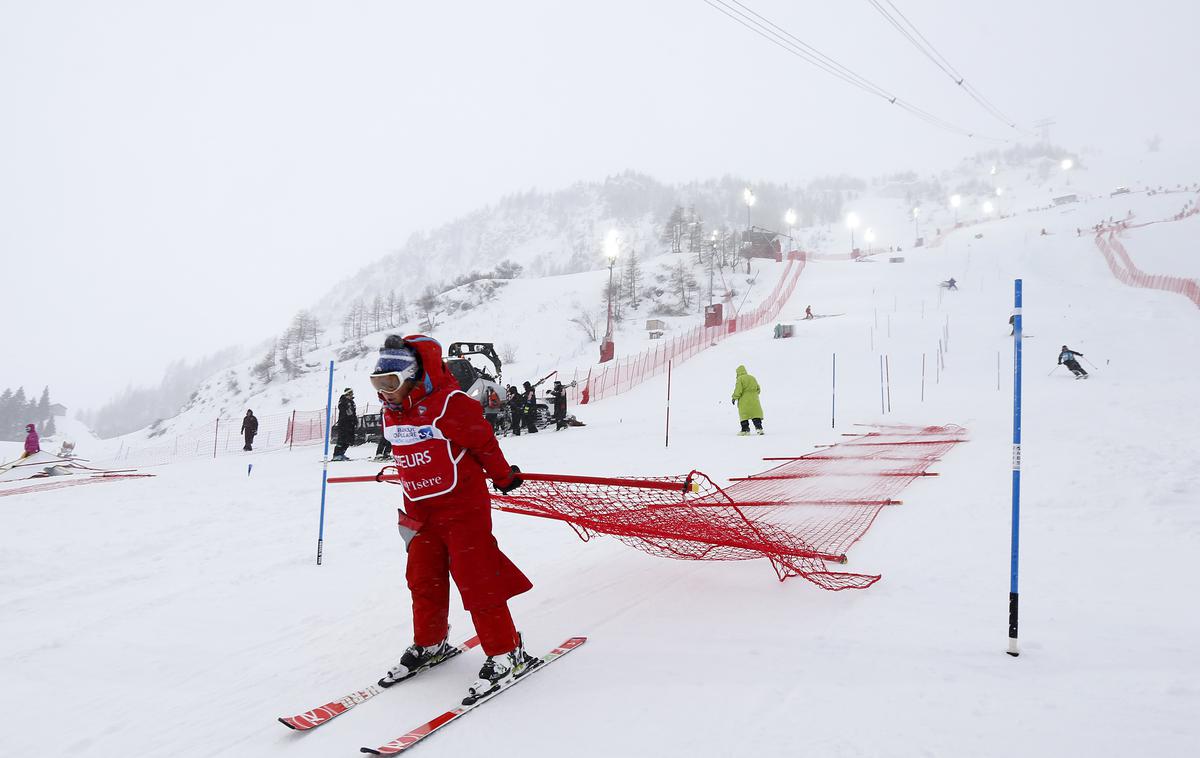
176,177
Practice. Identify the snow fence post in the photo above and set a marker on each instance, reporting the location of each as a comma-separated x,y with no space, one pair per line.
881,409
1016,472
887,366
833,400
325,465
667,437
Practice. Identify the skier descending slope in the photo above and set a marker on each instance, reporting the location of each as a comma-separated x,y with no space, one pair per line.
1067,358
445,450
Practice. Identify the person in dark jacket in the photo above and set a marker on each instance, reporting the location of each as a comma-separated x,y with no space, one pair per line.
347,422
559,397
529,408
514,403
1067,358
249,428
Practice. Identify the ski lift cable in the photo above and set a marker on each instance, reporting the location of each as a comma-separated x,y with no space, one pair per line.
809,50
762,31
763,27
910,32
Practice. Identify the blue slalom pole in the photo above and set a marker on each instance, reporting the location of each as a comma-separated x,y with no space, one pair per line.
1016,472
325,465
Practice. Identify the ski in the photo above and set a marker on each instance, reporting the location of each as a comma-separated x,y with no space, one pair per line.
302,722
400,744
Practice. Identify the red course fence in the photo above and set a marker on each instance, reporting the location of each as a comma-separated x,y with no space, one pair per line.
623,374
1124,269
799,515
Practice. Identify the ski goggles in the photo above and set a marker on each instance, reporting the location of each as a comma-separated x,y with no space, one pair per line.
394,367
388,382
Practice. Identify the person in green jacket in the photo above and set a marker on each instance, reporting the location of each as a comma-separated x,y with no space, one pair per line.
745,397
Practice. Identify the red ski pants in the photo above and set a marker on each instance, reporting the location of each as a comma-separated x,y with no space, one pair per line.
466,550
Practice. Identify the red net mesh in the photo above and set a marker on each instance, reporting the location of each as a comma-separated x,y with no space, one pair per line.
799,515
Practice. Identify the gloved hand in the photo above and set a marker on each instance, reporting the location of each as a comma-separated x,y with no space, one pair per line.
734,401
514,481
408,527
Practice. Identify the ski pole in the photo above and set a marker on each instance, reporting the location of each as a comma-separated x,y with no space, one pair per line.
1054,369
1093,365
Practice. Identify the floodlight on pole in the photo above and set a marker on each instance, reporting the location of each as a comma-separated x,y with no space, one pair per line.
1067,164
852,222
612,249
999,191
790,218
955,201
749,198
917,223
988,207
869,237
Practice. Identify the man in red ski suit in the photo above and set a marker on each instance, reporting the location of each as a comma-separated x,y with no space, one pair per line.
446,451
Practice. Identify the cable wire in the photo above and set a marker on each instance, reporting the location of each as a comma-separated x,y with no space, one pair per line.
777,35
910,32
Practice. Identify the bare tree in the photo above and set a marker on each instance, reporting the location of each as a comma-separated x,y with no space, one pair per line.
508,352
588,323
401,310
427,307
682,283
375,313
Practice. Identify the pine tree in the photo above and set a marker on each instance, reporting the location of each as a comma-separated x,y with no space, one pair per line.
7,416
670,230
264,370
631,278
43,406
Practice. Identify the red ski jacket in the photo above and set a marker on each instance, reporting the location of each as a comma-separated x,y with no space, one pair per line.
445,449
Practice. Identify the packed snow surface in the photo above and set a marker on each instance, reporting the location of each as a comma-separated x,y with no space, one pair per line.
181,615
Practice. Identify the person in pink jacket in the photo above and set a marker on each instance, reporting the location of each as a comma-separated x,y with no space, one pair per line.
31,441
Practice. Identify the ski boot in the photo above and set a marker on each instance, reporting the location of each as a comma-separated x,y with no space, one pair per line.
417,659
744,433
499,670
761,432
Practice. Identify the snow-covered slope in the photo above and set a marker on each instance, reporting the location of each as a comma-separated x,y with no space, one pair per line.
529,320
179,616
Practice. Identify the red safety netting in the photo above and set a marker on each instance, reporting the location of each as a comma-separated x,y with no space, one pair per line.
620,375
800,514
1124,269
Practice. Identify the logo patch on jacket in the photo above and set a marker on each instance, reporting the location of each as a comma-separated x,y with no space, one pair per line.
408,434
